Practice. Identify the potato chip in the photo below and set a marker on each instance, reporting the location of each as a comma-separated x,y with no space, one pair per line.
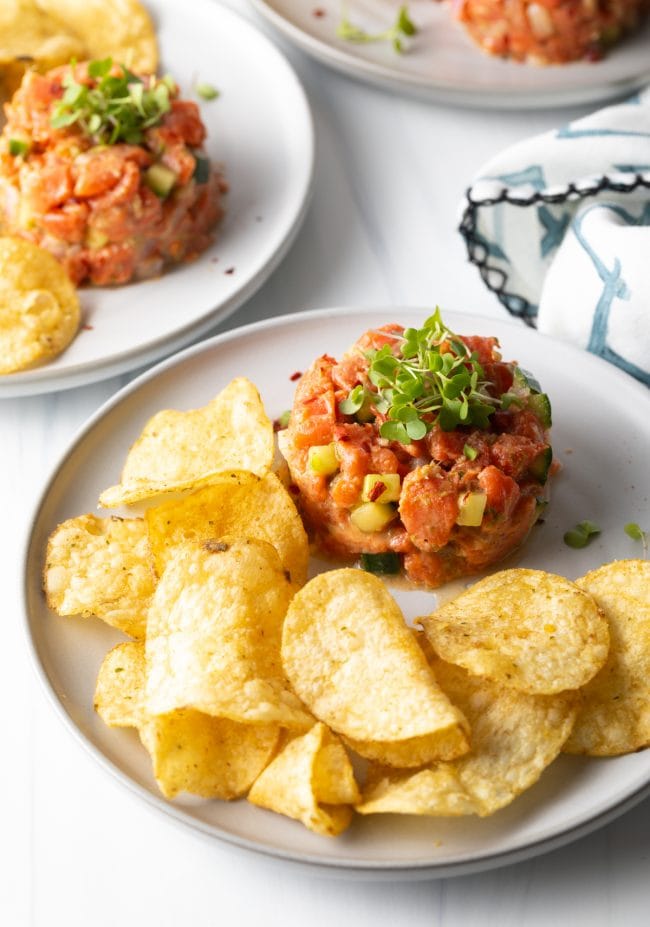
515,736
350,657
190,751
39,308
240,504
533,631
29,37
615,715
310,780
103,567
214,631
121,29
185,450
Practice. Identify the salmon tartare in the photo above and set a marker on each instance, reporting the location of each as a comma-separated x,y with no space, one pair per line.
105,170
548,31
419,450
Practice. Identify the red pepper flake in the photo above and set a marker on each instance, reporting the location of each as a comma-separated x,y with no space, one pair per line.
231,270
88,328
318,13
343,438
376,491
295,376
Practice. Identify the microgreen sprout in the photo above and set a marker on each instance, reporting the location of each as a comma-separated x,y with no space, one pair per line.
427,376
119,108
582,534
402,27
637,533
206,91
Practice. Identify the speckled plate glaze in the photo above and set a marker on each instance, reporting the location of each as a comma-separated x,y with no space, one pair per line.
604,478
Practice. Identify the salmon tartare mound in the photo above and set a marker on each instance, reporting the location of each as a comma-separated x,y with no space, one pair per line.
105,170
548,31
420,450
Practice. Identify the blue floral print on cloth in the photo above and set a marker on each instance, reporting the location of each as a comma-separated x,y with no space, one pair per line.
559,228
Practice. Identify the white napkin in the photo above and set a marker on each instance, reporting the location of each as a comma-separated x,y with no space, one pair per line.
559,227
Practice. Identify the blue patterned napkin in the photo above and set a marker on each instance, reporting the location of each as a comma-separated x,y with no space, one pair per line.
559,228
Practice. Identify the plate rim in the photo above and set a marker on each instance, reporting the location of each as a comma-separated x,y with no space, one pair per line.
370,869
42,380
381,75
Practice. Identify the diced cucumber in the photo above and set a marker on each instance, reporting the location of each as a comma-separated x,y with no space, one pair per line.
391,491
523,380
540,405
202,169
372,516
471,506
160,179
387,563
322,459
95,239
541,464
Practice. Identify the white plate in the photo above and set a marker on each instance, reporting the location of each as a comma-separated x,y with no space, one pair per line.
443,63
601,436
260,128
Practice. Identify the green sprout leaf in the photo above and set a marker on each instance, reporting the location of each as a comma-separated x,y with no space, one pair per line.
426,376
637,533
581,535
119,108
403,26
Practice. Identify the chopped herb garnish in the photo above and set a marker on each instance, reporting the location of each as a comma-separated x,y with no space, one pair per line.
206,91
403,26
119,108
637,533
18,148
581,535
470,452
283,420
428,376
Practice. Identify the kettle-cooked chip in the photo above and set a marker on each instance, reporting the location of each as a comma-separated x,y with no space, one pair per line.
310,780
190,751
515,736
185,450
39,308
350,657
103,567
240,504
122,30
213,634
615,713
533,631
29,37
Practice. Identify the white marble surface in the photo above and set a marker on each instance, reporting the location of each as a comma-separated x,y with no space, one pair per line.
77,850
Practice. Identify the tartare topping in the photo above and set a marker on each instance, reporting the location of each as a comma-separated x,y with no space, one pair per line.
115,106
426,376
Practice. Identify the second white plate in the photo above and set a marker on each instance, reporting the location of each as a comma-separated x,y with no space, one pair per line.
260,129
443,64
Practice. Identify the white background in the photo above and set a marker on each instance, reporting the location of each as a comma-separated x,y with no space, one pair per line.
75,848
